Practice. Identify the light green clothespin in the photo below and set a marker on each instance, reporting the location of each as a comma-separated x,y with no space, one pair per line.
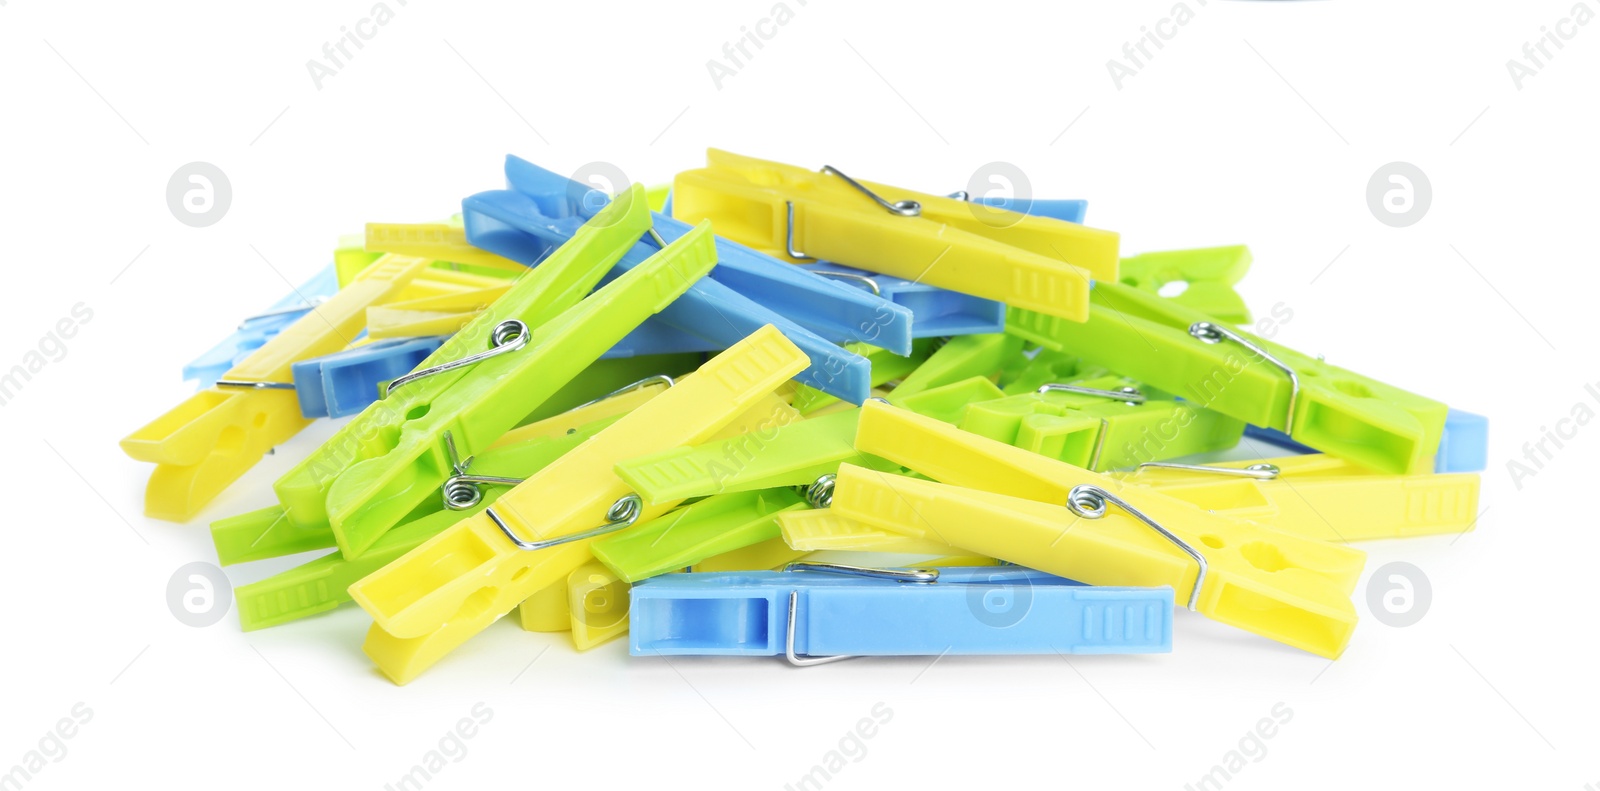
1201,359
1102,423
1207,275
393,455
692,533
964,356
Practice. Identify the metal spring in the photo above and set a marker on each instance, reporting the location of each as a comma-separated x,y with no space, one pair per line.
819,493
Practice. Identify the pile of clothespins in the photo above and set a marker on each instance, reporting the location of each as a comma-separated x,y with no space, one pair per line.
561,394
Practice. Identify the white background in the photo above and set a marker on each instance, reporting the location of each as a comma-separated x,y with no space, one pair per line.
1257,123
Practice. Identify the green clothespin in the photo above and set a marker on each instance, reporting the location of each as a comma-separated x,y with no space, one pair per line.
323,584
1046,367
964,356
1201,359
688,535
607,376
1102,423
1207,276
393,455
949,402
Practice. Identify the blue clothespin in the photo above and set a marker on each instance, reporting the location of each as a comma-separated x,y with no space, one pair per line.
821,612
255,331
1464,446
344,383
936,312
524,224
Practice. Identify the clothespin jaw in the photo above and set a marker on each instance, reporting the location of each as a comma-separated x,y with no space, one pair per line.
819,615
456,584
1322,497
1206,276
547,610
390,456
886,366
1186,353
948,403
344,383
786,211
204,444
695,532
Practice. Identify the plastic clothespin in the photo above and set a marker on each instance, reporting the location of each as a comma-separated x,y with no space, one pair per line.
207,442
1463,445
1322,497
791,454
542,209
821,612
1013,505
692,533
344,383
597,605
1031,262
823,529
439,595
1201,279
379,466
439,314
256,330
1191,355
768,555
1101,423
439,241
936,312
961,358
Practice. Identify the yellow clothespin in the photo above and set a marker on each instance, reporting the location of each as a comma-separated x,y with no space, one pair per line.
1321,496
437,596
208,441
1026,262
1066,520
824,529
438,241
